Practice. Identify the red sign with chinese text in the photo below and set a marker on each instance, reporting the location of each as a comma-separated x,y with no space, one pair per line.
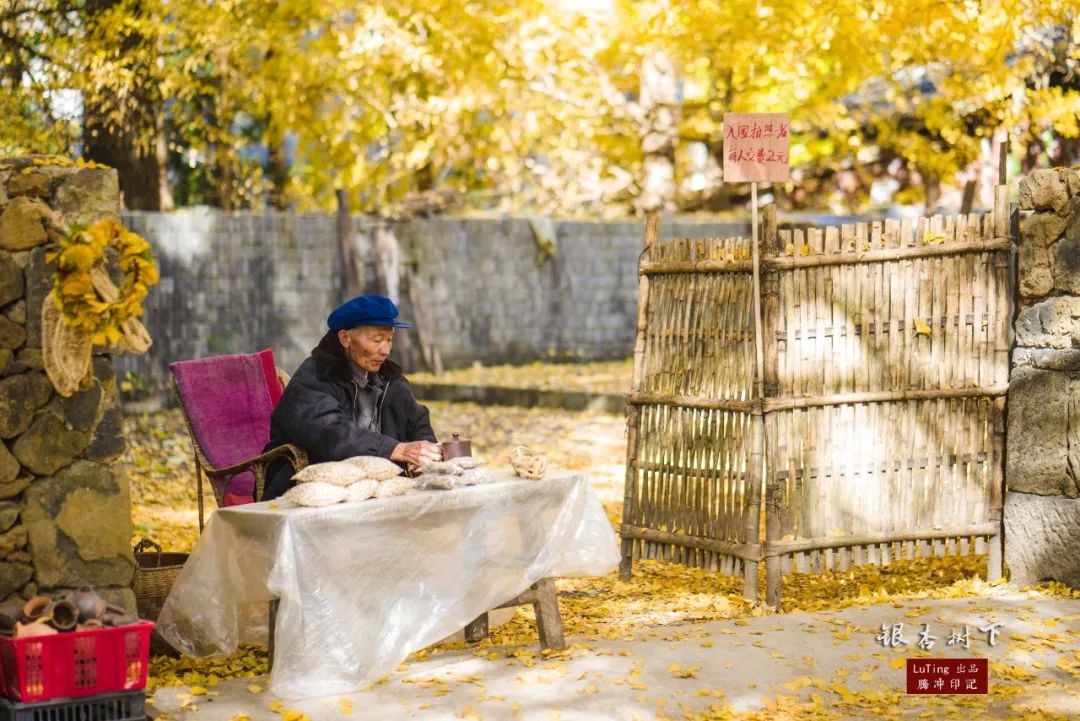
948,675
756,147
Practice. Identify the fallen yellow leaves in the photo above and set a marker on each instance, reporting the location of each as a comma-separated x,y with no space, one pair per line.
680,672
659,595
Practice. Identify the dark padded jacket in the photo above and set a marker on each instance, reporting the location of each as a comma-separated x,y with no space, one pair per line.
316,413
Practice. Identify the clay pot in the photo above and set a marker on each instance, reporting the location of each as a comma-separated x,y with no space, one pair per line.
116,616
28,630
65,616
91,625
35,609
455,448
90,604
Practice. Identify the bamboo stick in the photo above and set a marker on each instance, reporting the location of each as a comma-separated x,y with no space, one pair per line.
651,267
652,236
745,551
669,267
659,399
780,548
757,449
773,405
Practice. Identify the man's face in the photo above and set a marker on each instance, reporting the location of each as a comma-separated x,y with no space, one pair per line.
367,346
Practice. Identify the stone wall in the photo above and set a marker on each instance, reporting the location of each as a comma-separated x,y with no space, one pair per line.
235,283
65,512
1042,505
240,282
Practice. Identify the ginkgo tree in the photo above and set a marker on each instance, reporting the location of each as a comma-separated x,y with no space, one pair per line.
545,105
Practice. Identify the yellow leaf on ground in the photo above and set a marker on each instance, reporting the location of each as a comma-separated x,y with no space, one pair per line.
255,688
921,328
898,662
198,691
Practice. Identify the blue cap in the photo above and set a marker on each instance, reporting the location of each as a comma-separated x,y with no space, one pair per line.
365,310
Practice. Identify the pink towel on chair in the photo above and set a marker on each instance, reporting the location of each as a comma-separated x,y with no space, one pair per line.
228,400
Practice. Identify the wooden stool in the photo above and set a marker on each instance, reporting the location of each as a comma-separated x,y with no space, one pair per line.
549,624
541,595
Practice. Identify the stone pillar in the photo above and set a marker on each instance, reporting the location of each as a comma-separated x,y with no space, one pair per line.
1042,505
65,509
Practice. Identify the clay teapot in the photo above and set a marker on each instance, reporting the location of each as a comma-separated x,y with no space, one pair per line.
35,609
89,603
455,448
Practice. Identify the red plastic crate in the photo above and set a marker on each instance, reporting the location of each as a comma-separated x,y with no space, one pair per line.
80,663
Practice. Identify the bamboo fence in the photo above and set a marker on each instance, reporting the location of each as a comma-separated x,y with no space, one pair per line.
863,421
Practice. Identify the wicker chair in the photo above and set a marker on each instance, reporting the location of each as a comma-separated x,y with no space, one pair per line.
238,459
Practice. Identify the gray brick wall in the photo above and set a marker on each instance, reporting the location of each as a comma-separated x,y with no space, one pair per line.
240,282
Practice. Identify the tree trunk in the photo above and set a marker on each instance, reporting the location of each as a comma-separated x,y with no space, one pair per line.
658,101
278,170
134,143
143,184
931,190
351,285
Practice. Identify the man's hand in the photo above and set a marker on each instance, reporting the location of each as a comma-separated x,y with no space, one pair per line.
416,453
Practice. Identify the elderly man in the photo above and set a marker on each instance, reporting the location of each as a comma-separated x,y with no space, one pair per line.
348,400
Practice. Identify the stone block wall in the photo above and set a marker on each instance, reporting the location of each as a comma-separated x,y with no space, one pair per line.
235,283
240,282
1042,504
65,511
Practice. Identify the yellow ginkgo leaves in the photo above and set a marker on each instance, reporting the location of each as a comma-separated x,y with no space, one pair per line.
90,304
921,327
683,672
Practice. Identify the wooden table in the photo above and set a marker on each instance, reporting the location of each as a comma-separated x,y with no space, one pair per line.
360,586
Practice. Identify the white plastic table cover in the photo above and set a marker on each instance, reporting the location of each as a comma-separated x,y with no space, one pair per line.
362,585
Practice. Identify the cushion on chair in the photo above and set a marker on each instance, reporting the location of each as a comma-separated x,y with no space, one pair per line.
228,400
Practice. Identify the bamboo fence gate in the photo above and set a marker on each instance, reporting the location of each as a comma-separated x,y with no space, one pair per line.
847,388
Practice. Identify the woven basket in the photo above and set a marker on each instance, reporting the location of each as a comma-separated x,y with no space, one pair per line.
528,464
154,575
